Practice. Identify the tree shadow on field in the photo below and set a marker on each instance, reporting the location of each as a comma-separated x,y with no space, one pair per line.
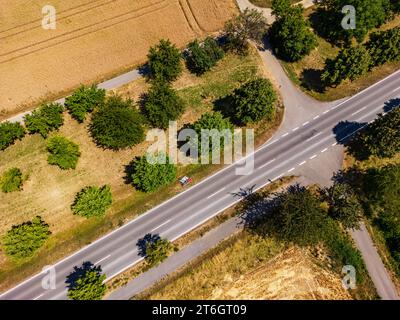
128,170
142,243
79,272
311,80
347,133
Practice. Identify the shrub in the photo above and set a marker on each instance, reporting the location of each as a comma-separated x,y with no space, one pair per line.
150,176
83,101
350,64
11,180
165,61
117,125
62,152
24,239
254,101
47,118
163,105
291,36
248,25
92,201
9,133
158,251
202,57
385,46
87,283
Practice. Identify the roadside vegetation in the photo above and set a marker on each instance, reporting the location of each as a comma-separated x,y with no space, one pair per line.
340,62
373,169
107,135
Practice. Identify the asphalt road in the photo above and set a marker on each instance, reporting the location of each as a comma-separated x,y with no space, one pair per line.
118,250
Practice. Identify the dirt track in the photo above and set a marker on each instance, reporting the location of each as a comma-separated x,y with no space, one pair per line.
93,40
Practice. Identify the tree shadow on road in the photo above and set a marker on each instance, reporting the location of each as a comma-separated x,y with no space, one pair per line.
79,272
143,242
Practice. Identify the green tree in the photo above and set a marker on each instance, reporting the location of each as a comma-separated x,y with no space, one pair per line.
23,240
248,25
350,64
47,118
382,137
117,125
11,180
344,206
162,105
92,201
290,34
165,61
157,251
62,152
9,133
202,57
83,101
385,46
298,217
254,101
210,128
88,284
369,14
149,176
382,187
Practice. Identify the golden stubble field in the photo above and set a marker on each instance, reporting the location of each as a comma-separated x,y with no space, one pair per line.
94,40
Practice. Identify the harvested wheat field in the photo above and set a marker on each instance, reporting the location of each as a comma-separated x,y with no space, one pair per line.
93,40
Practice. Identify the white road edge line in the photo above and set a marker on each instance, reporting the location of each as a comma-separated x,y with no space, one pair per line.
38,297
305,123
316,117
161,225
289,171
358,111
313,137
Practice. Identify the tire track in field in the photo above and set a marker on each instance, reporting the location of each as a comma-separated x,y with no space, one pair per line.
58,18
195,27
39,20
86,33
194,16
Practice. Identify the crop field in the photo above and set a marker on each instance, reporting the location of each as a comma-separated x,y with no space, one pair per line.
93,40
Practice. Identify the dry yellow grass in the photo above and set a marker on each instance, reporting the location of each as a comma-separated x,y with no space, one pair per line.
93,40
256,269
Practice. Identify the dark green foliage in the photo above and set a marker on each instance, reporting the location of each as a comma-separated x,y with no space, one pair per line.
163,105
382,137
350,64
47,118
389,224
92,201
62,152
84,100
382,187
87,284
117,124
202,57
149,176
211,121
385,46
369,14
24,239
344,206
340,245
157,251
165,61
248,25
9,133
11,180
395,6
254,101
297,217
290,34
